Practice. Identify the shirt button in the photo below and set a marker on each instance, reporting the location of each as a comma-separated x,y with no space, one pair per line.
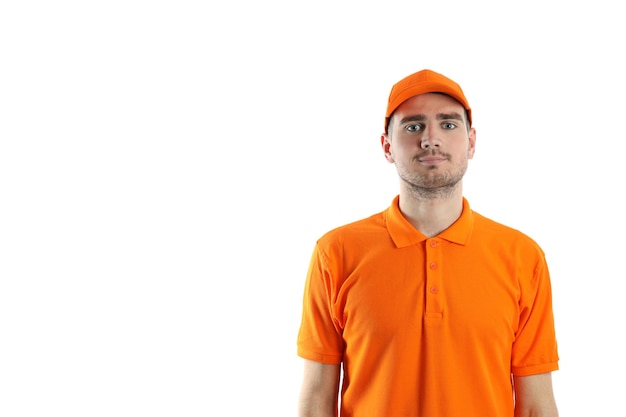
433,243
433,265
434,290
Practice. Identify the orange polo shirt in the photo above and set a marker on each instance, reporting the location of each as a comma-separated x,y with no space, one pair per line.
428,327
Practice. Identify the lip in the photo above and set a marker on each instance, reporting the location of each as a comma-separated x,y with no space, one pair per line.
432,159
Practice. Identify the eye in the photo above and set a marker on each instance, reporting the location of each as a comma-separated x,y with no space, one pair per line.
448,125
413,128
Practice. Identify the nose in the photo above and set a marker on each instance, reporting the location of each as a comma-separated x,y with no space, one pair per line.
429,138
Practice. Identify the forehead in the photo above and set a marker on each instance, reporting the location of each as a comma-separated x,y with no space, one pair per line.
430,103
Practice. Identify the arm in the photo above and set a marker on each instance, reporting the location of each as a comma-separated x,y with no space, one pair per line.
320,390
534,396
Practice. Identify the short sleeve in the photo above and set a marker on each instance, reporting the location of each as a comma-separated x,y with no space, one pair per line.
535,346
319,338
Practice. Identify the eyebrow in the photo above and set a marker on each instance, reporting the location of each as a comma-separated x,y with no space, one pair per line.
440,116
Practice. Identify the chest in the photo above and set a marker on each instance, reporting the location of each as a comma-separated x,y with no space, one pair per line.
414,289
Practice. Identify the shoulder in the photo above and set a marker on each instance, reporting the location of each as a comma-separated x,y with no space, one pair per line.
341,250
497,234
356,230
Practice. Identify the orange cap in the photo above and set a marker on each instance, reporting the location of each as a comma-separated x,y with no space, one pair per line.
425,81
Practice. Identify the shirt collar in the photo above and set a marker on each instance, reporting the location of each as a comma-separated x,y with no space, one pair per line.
404,234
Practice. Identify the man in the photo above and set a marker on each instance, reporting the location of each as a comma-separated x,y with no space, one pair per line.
427,309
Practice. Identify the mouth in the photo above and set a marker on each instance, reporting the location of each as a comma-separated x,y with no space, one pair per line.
432,159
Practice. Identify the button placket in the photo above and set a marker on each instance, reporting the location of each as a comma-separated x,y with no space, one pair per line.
434,299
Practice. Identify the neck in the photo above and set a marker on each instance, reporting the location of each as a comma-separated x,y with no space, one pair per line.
433,211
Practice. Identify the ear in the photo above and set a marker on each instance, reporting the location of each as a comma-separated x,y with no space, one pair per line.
385,143
472,143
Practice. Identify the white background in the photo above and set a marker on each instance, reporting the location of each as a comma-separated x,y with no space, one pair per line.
165,168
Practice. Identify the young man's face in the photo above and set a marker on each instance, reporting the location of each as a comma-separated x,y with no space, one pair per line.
429,141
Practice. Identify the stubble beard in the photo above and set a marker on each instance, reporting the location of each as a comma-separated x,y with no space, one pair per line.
433,184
